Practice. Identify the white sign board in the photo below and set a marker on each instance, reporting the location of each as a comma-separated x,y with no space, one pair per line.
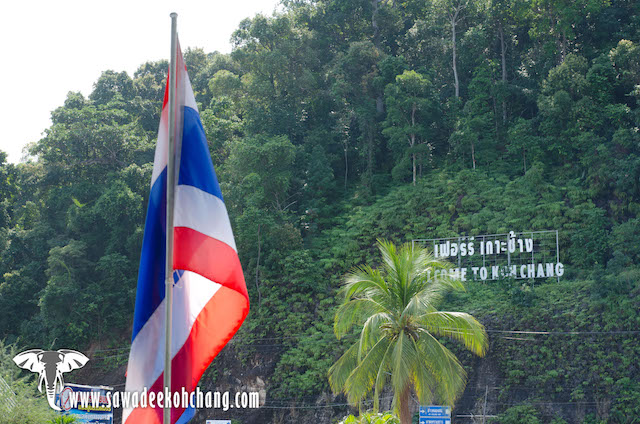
522,256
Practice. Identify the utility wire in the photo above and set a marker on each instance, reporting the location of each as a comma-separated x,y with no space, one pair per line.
543,333
328,405
564,332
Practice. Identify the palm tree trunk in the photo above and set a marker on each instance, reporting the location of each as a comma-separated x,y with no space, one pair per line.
403,406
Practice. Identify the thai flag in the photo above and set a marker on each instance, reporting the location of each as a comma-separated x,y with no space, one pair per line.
210,299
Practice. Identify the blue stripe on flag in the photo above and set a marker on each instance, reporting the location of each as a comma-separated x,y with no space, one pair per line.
186,415
177,275
196,168
150,291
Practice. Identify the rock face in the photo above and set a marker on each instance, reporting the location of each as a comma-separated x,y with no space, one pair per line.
484,397
226,374
254,377
230,376
480,396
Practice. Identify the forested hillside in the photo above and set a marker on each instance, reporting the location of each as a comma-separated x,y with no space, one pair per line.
334,123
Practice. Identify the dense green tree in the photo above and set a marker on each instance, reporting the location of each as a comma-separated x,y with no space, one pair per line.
8,187
523,142
477,128
276,64
88,140
625,59
197,62
67,272
411,114
453,11
524,414
558,20
149,81
353,75
111,83
261,166
505,18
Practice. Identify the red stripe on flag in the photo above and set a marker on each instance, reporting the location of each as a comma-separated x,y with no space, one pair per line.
208,257
145,415
165,100
213,328
180,61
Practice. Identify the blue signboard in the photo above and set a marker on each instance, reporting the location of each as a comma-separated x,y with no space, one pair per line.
429,420
435,414
87,404
435,411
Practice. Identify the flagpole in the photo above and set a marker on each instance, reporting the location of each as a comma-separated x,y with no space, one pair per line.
168,294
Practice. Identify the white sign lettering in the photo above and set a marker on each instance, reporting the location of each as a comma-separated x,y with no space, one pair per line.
518,255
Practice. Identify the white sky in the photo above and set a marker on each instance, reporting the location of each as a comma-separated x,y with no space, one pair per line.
49,48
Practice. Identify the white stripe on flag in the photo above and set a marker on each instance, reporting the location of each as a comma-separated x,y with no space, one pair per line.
146,359
185,98
160,157
203,212
188,96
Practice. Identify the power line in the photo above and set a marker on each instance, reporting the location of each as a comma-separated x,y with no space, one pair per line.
529,332
564,332
111,350
329,405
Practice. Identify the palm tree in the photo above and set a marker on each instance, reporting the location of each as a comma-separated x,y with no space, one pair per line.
396,307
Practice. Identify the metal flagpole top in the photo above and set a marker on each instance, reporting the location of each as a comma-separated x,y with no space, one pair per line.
168,298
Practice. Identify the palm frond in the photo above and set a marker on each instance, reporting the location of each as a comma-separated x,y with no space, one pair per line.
389,257
424,382
361,281
340,371
364,375
382,377
443,283
371,332
399,266
354,312
403,359
431,294
447,371
420,303
458,326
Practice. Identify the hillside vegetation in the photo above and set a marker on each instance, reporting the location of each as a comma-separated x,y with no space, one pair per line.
335,123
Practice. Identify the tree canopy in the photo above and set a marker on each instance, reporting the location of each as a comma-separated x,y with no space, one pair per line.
331,124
